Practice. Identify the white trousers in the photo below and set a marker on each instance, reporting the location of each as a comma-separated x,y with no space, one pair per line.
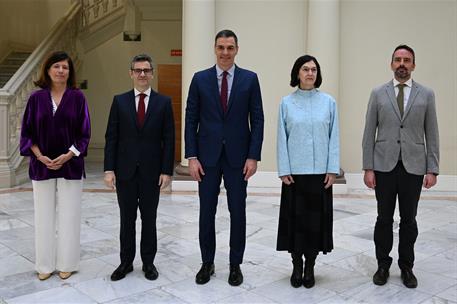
57,230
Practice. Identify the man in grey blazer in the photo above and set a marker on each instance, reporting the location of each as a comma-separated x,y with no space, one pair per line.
400,147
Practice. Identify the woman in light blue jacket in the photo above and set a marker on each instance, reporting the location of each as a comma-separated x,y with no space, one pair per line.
308,162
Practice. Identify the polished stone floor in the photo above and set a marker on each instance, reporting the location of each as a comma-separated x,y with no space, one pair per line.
343,276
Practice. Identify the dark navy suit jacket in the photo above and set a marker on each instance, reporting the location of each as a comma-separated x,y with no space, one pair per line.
150,148
208,130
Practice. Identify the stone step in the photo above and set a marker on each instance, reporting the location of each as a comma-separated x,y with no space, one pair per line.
9,68
10,65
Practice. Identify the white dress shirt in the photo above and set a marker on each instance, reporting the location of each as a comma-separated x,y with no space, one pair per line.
146,99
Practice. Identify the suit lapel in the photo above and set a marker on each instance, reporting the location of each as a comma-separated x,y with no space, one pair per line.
212,75
131,107
150,105
412,97
393,100
233,91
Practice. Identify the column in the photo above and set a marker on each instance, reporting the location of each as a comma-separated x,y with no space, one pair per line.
323,41
198,30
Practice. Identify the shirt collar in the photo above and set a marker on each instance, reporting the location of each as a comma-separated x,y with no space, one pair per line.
230,71
408,83
147,92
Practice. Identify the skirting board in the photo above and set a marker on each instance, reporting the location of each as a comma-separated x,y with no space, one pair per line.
268,182
445,183
261,182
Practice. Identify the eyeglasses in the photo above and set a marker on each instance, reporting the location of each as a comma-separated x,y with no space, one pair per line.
139,71
307,70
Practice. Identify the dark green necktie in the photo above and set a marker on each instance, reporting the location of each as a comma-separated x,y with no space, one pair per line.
400,98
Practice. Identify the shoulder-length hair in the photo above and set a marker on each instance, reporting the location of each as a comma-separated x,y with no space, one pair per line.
44,81
294,80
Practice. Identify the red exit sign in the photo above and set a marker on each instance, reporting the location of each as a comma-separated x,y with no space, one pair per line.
176,53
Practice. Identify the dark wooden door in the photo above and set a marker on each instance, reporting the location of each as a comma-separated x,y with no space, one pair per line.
169,84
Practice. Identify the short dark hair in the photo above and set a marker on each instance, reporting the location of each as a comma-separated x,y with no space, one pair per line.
294,80
44,81
141,58
404,47
226,34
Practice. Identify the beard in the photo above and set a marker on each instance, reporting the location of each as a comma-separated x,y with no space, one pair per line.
402,73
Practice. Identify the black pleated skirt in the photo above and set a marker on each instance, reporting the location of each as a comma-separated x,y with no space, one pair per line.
306,216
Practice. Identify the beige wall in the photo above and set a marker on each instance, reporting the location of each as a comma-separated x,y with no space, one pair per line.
106,70
26,22
269,46
370,30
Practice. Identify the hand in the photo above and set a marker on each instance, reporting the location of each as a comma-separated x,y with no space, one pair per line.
45,160
429,180
110,180
58,162
250,168
196,169
329,180
287,179
164,181
369,179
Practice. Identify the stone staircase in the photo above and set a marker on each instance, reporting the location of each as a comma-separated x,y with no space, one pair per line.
10,65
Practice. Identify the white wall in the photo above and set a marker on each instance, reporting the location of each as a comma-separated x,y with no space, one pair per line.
370,30
26,22
271,35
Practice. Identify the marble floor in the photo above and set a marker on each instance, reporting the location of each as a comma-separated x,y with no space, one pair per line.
343,276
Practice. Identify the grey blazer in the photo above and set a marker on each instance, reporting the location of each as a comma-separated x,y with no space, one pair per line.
386,133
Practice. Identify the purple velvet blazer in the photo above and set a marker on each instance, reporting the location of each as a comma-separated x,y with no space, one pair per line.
55,134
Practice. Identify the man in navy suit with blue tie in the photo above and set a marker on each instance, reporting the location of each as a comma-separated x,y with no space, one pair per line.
223,139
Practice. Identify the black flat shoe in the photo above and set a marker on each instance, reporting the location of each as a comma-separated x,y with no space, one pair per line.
408,278
381,276
205,273
121,272
150,272
235,276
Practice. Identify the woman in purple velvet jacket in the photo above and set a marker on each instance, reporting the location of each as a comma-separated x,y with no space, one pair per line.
55,134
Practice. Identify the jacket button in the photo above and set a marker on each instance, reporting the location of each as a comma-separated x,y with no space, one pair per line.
398,141
401,127
223,141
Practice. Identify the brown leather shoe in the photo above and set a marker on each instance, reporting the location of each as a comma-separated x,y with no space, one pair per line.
65,275
44,276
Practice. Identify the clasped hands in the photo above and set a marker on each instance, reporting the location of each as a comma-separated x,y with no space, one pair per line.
328,181
110,180
56,163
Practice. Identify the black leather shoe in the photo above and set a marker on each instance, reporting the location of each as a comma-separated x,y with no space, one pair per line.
205,273
308,276
121,272
150,272
235,276
408,278
381,275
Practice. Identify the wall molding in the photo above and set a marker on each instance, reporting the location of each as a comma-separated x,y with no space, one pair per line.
268,182
446,183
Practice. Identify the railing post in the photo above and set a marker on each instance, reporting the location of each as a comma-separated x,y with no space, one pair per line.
5,168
